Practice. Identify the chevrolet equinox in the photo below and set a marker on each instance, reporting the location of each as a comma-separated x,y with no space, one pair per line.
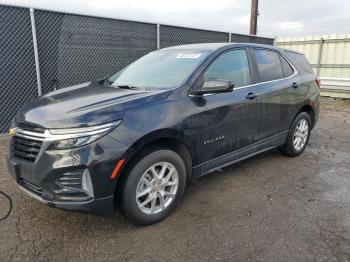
136,139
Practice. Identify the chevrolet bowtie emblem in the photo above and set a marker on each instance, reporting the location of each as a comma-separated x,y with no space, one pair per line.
12,131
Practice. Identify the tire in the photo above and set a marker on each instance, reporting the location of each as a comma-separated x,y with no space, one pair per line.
291,147
140,179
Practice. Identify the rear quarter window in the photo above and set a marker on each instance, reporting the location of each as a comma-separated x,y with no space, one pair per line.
287,69
300,62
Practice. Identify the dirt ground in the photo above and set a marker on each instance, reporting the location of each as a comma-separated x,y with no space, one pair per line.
267,208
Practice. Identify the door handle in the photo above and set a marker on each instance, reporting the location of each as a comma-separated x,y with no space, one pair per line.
295,85
251,95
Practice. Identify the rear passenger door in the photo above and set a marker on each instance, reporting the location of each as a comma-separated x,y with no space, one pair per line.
276,81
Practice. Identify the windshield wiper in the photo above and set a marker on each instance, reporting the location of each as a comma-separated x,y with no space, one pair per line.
128,87
108,82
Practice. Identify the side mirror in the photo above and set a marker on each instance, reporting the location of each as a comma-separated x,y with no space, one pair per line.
214,86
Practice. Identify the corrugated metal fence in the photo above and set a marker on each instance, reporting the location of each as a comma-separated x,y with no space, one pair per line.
329,55
44,50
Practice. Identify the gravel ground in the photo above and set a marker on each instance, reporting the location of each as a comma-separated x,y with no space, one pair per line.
267,208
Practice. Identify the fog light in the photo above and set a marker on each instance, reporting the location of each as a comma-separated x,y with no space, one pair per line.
86,183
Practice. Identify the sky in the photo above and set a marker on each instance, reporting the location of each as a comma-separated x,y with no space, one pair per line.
277,18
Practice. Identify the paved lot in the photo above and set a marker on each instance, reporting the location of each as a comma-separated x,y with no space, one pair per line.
268,208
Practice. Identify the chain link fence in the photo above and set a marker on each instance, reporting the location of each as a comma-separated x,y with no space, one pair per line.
73,49
173,35
251,39
18,83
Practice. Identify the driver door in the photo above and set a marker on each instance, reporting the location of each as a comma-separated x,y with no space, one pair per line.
229,121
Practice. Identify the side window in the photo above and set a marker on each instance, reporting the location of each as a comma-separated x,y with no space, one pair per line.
300,62
269,65
232,66
287,69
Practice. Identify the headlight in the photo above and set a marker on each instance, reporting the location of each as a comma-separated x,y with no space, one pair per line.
76,137
73,142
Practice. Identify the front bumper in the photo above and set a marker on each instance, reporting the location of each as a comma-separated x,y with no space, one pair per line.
102,206
45,179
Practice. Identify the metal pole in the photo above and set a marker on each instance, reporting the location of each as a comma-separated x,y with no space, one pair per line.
254,17
35,47
320,49
158,36
229,38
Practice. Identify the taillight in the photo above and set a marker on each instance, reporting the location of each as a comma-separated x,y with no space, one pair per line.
318,81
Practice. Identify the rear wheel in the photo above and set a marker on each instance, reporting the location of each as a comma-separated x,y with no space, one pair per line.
298,136
154,186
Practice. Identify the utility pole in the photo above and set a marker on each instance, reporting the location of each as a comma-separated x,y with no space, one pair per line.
254,17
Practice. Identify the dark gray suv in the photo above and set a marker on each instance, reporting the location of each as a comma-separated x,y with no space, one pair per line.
136,139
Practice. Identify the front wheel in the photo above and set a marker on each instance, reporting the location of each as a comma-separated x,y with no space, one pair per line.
298,136
154,186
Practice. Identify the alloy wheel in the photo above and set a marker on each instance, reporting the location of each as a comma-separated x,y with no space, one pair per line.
157,188
301,134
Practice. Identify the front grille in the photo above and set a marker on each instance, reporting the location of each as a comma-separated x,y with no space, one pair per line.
25,148
30,186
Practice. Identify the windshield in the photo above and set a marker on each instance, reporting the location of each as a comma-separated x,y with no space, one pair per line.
163,69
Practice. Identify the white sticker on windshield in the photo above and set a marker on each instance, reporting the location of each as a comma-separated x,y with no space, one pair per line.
188,55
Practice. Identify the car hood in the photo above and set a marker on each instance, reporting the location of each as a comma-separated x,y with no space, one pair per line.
84,105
